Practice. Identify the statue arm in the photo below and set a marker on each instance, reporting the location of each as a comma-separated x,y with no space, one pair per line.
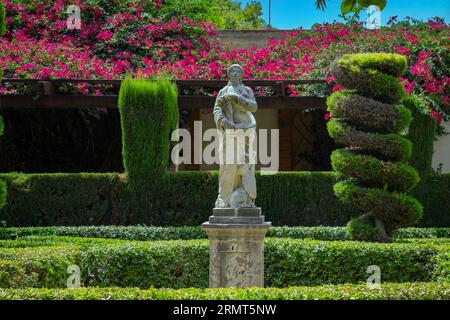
218,112
249,104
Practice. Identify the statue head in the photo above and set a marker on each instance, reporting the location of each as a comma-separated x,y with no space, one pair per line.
235,73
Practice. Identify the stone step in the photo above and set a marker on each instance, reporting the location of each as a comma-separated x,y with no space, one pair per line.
236,219
244,212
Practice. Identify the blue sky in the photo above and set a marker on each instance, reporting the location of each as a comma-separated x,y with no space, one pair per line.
290,14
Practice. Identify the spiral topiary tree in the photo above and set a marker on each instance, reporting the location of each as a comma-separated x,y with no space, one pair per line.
370,121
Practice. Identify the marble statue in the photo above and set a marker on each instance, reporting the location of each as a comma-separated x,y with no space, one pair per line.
236,124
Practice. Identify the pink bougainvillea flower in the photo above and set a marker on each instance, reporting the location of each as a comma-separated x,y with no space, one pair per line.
436,115
104,35
337,88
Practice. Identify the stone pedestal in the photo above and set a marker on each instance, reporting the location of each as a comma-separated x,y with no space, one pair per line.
236,251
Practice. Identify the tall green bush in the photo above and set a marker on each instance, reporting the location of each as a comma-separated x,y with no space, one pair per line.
371,123
422,132
149,114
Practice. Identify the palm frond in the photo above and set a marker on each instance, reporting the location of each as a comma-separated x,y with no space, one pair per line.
321,4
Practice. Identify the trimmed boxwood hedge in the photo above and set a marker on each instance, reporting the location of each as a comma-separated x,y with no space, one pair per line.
368,114
184,263
389,63
373,172
389,291
151,233
183,198
385,146
287,198
372,83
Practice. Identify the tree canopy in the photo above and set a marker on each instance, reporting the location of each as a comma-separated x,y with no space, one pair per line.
354,6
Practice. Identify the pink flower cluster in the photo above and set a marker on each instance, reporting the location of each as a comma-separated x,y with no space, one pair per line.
122,38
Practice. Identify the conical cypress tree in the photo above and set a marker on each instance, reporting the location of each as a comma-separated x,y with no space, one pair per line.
369,120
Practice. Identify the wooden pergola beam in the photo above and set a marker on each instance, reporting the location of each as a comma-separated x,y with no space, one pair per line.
49,97
185,102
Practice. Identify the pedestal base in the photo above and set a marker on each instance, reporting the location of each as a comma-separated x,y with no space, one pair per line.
236,255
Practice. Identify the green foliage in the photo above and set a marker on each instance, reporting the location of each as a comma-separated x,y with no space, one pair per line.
376,180
370,171
3,189
389,146
388,63
184,263
422,132
389,291
367,114
362,228
393,208
35,267
442,267
287,198
354,6
225,14
63,199
434,194
149,114
186,198
40,236
2,21
367,82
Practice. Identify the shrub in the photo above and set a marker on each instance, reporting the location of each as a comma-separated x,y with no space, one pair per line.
423,233
287,198
3,189
376,181
434,194
394,209
387,146
369,171
368,114
372,83
2,20
63,199
184,263
422,131
394,291
149,114
442,267
151,233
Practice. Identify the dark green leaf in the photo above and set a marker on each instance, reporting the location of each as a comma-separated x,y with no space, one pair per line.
348,6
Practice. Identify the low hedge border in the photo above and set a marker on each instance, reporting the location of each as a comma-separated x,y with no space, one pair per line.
48,241
184,263
151,233
388,291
